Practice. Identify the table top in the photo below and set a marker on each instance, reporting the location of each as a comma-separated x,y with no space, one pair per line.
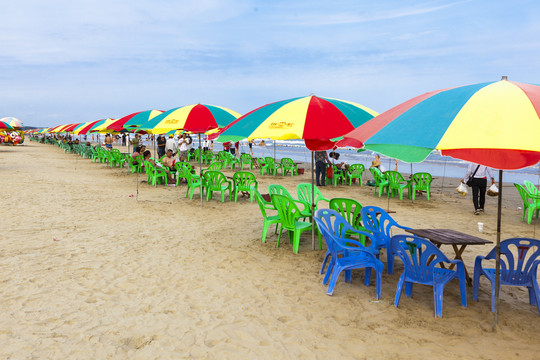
449,237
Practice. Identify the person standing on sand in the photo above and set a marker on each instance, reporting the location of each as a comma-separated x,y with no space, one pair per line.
161,142
108,141
135,141
320,167
479,184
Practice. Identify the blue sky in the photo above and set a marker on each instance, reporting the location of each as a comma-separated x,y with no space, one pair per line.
67,61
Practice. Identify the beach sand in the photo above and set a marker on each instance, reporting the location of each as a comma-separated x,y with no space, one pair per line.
95,264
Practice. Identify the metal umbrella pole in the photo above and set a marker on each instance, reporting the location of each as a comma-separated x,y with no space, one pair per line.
200,166
312,202
498,256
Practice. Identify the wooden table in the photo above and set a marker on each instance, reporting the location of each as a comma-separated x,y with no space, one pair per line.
457,239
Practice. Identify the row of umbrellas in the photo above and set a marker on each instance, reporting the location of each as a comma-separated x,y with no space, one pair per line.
496,124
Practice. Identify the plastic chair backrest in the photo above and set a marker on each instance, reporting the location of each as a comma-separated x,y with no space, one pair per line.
378,176
279,189
525,196
244,179
517,258
287,162
421,180
261,202
245,158
269,161
350,209
148,167
214,178
287,210
303,191
334,228
356,169
531,188
377,221
215,166
419,256
394,177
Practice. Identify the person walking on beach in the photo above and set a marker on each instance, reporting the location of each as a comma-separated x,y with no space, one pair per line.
479,184
135,141
250,144
124,139
321,157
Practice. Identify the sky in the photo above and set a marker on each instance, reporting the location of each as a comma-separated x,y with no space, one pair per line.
65,61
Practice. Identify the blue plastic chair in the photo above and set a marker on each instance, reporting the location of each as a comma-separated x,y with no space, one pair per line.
520,258
380,224
346,254
420,257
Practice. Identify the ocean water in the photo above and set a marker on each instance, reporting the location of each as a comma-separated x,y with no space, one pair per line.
435,164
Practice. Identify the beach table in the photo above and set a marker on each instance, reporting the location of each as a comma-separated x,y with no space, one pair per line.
457,239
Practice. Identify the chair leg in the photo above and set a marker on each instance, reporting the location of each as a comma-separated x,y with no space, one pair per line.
399,289
329,271
335,274
265,230
328,254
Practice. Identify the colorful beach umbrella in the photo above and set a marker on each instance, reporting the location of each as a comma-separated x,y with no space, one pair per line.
86,129
133,120
13,122
102,127
496,124
4,125
196,118
316,120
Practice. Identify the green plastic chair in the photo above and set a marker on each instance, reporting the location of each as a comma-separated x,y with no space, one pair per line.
246,159
208,157
263,166
337,176
303,191
267,220
355,172
244,181
290,215
380,180
215,166
421,182
288,165
272,166
156,175
530,203
193,182
136,166
351,210
181,167
276,189
396,183
216,181
230,160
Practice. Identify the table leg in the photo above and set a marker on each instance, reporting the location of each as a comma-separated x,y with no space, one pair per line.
458,252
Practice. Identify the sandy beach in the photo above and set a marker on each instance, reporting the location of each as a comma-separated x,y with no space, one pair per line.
96,264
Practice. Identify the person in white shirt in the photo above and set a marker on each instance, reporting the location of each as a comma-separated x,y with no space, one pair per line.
183,147
171,145
479,184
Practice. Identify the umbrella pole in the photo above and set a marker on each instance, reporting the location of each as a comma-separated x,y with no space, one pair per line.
498,257
200,166
155,167
312,203
274,150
